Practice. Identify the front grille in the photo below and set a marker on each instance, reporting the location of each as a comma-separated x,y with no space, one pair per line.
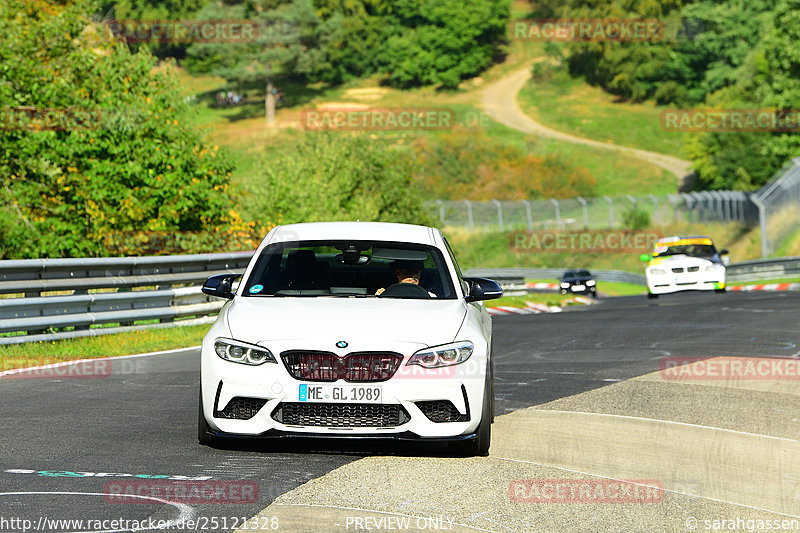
692,269
241,408
677,270
356,367
441,411
340,414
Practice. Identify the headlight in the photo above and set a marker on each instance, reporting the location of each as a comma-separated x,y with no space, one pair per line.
241,352
709,268
591,283
445,355
564,285
658,271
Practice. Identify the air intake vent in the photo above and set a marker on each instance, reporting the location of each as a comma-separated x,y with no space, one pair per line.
340,415
241,408
357,367
441,411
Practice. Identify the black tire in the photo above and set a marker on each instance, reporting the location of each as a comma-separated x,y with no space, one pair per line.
720,291
652,296
204,435
480,444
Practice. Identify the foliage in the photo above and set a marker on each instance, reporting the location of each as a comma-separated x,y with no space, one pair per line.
339,176
131,165
466,164
735,54
635,218
410,42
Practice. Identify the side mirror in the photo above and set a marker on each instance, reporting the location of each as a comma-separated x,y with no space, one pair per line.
220,285
482,289
644,257
723,252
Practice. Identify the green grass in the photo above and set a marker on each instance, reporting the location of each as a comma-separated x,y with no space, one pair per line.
133,342
795,279
616,173
556,299
572,106
607,288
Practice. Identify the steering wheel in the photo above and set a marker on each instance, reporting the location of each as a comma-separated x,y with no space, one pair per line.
405,290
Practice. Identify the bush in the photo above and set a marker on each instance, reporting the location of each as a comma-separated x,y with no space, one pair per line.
339,176
635,218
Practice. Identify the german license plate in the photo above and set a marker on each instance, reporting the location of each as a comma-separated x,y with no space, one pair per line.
577,288
313,392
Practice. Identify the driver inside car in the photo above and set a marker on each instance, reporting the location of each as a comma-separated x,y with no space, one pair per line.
406,272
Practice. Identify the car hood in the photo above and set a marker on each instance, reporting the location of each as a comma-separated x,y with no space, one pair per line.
577,280
431,322
670,261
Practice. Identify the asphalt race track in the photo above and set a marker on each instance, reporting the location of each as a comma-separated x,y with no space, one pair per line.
581,398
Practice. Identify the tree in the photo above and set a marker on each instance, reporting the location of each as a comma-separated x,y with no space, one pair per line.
121,157
290,42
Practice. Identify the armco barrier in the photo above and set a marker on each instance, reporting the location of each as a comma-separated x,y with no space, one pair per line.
114,299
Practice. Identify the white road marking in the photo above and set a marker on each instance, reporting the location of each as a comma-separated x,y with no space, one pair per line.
666,422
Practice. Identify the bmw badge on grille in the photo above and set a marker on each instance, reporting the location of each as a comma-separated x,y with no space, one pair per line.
341,344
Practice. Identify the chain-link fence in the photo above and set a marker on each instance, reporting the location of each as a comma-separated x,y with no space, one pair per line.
778,204
594,213
775,207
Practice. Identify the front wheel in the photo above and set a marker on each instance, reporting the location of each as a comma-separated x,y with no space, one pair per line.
720,291
480,444
652,296
204,435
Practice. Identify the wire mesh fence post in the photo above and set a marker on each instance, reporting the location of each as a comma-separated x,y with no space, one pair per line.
470,220
499,214
441,211
610,211
558,212
528,216
655,208
585,212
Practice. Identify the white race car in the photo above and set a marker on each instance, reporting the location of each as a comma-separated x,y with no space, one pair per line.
683,264
350,329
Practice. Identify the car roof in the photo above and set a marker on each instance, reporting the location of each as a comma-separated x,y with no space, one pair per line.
666,240
368,231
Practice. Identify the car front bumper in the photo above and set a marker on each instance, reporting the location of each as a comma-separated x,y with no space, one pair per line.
271,383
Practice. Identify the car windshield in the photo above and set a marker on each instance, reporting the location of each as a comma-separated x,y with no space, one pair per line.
577,274
696,250
343,268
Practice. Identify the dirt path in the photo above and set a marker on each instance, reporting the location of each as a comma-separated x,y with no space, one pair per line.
500,102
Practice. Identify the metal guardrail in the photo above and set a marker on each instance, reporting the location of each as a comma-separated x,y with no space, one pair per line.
516,274
114,299
761,269
114,305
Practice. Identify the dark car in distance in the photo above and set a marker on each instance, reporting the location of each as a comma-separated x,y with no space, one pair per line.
578,282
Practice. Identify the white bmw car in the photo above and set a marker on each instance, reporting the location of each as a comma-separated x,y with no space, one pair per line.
350,329
683,264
